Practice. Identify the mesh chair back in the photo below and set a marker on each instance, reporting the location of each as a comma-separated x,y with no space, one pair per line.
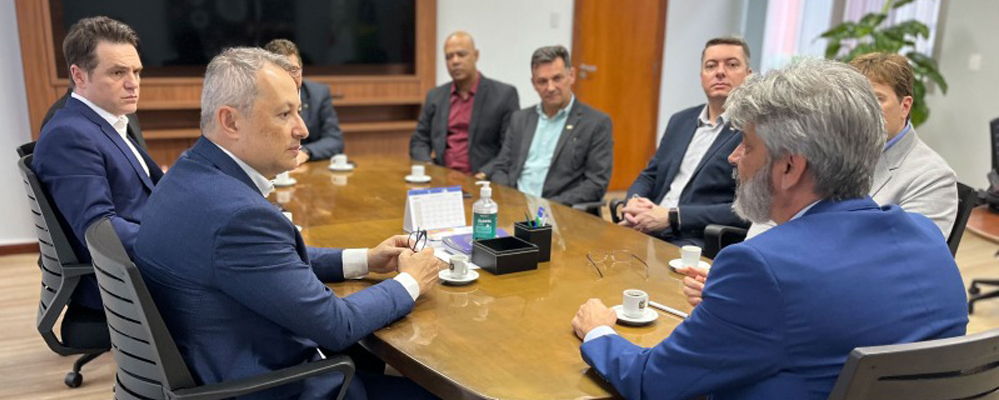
967,199
25,149
60,268
956,368
149,363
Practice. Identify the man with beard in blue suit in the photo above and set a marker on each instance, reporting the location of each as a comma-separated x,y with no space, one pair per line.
782,311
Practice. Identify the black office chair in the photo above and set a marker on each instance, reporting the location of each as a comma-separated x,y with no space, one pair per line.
25,149
967,199
717,237
149,364
593,208
614,206
83,331
965,367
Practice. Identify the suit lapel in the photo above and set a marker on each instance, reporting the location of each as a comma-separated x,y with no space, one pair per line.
480,94
443,117
568,131
891,160
211,152
682,142
726,134
113,136
525,143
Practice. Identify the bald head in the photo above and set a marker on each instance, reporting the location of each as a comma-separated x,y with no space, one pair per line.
460,55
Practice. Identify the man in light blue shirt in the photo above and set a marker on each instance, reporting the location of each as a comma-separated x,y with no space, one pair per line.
560,149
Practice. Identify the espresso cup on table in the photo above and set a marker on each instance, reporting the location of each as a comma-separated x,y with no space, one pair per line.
690,256
418,171
339,161
459,266
634,303
283,178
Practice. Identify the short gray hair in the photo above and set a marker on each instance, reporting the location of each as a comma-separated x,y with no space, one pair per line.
821,109
549,54
231,80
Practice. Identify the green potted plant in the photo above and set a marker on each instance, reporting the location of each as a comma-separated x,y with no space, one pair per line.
870,37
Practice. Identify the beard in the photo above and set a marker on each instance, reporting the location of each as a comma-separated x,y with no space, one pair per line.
754,197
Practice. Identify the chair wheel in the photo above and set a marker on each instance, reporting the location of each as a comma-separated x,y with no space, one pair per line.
74,379
974,290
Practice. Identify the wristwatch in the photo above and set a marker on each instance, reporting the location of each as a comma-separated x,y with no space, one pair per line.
674,219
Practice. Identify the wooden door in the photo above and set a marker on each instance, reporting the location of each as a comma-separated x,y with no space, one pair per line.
617,51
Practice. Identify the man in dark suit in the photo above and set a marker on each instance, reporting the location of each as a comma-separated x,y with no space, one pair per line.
85,157
688,183
560,149
782,311
232,277
462,122
325,137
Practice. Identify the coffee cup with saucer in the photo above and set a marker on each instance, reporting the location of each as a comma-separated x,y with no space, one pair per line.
458,272
418,174
339,163
284,179
635,309
690,256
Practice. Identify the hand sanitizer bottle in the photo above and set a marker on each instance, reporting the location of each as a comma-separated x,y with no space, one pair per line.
484,213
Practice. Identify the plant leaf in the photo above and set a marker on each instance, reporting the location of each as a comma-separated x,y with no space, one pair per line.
872,20
900,3
832,49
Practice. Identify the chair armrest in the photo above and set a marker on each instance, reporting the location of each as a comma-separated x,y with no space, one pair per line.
716,237
280,377
593,207
615,206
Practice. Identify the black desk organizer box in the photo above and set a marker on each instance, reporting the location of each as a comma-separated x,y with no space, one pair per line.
505,255
541,236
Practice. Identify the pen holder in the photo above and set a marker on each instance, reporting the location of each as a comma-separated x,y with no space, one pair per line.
505,255
540,236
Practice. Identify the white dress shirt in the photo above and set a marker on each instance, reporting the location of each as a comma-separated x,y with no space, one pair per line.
120,125
704,136
355,261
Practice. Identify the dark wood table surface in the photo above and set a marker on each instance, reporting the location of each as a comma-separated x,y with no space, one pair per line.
984,223
504,337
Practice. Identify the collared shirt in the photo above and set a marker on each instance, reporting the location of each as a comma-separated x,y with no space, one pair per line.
458,120
355,261
898,137
539,157
604,330
704,136
120,125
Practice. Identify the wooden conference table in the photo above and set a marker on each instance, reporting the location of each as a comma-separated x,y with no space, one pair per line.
503,337
985,223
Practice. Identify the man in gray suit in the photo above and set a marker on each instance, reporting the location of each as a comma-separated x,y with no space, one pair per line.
560,149
462,122
909,173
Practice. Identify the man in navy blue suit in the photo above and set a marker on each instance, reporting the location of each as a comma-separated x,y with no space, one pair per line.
688,183
235,283
325,137
86,157
782,311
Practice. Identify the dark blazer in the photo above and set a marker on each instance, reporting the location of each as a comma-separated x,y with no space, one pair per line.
494,103
134,131
782,311
707,198
91,173
325,137
583,160
238,288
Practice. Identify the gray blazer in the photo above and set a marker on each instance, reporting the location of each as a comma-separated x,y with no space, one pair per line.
494,103
913,176
583,160
916,178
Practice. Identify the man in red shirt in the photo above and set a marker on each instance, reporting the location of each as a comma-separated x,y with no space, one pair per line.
462,122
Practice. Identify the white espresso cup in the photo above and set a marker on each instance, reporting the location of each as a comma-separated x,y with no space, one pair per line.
690,256
339,161
459,266
283,178
418,171
287,214
634,303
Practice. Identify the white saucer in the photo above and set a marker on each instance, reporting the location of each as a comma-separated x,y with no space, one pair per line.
418,179
470,277
677,263
286,184
650,315
348,167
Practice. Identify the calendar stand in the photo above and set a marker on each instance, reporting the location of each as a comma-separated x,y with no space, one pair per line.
434,208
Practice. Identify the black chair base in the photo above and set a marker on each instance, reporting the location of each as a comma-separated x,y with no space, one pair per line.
976,292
